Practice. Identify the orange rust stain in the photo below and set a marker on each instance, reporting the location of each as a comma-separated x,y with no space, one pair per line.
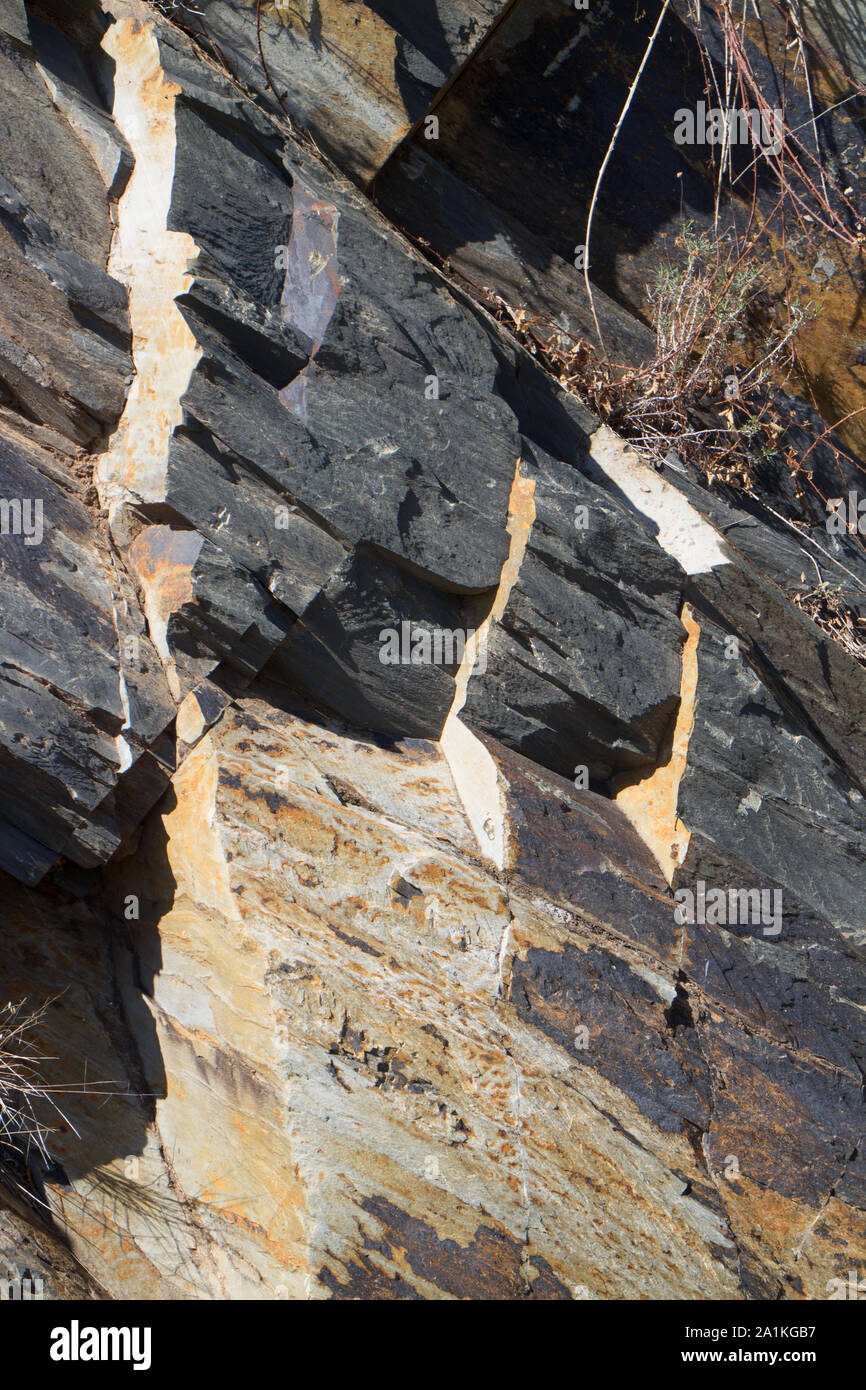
164,560
366,45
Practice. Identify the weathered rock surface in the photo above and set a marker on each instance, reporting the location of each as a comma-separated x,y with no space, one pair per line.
80,722
372,966
359,76
366,1056
34,1263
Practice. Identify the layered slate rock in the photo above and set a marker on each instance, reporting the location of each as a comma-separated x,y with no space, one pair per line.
288,523
358,521
437,1080
77,711
772,785
584,667
84,701
764,783
493,252
339,523
64,353
378,1001
358,76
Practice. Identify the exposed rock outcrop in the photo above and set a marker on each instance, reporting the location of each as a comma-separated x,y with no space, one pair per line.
375,952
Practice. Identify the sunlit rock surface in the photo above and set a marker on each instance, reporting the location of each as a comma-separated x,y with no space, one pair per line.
366,974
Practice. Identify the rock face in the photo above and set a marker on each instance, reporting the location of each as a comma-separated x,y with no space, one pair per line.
358,76
434,833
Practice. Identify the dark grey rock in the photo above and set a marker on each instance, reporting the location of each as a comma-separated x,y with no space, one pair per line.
763,791
77,670
584,668
334,653
494,251
357,82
